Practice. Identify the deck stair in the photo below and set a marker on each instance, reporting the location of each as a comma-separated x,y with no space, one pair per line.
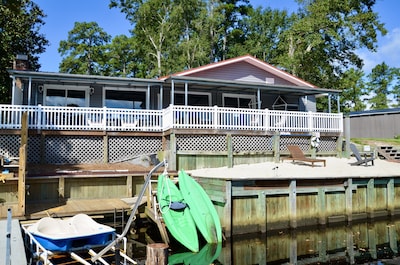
390,153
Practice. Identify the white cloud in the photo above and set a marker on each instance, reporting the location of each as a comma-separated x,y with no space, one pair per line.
388,51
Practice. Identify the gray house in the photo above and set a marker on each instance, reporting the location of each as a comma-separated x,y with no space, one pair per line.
235,111
242,82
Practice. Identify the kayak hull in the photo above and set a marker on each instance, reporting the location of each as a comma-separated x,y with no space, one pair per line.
179,221
201,208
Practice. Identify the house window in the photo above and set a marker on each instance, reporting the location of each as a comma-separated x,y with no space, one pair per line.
238,101
125,99
194,99
65,97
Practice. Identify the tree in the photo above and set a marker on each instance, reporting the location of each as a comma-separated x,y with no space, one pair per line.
264,28
19,34
84,50
380,85
157,26
229,29
322,42
121,59
353,90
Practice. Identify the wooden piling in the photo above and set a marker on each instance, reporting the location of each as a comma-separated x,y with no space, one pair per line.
157,254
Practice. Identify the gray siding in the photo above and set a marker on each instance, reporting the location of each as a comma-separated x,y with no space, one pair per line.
375,126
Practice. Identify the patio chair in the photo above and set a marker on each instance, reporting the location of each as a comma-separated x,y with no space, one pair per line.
296,154
361,160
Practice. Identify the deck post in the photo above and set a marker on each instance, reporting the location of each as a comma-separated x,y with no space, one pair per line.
22,165
172,152
61,189
371,198
321,206
21,180
349,199
105,148
390,196
129,186
292,205
157,254
339,147
262,211
276,150
227,218
230,150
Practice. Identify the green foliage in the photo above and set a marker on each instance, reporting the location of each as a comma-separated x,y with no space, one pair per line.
353,90
85,49
19,34
380,84
322,42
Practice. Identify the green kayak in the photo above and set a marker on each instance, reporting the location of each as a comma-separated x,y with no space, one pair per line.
176,216
203,211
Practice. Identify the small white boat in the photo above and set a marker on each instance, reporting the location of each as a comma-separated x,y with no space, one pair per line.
78,232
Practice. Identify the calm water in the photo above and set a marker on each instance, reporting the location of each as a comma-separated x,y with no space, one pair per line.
359,243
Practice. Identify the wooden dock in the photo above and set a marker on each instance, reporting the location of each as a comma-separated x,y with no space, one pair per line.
14,253
73,207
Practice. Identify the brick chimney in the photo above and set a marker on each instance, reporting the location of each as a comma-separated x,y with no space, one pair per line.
21,62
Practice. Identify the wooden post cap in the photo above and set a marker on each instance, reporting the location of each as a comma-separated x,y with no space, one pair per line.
157,254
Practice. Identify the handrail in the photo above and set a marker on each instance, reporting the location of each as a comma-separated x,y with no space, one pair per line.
133,213
173,117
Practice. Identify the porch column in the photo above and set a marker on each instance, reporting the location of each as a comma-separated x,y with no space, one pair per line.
148,97
161,101
258,98
172,92
186,94
13,91
329,103
29,90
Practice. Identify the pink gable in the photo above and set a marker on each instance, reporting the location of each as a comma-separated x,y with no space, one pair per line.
246,69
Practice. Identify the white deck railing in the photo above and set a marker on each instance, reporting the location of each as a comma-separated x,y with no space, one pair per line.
179,117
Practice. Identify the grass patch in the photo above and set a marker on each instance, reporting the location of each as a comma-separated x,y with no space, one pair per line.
376,141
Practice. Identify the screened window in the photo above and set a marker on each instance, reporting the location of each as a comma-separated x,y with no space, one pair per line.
194,99
238,101
125,99
65,97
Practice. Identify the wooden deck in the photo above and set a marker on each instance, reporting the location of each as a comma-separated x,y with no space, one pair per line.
73,207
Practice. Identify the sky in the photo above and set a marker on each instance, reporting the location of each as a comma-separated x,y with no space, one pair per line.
61,16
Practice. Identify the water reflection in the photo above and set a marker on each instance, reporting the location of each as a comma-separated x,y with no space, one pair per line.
358,243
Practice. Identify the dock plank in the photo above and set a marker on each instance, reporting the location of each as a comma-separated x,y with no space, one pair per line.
18,256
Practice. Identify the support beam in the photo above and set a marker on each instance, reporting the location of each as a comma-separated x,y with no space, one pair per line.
262,211
230,150
172,159
227,218
292,205
371,198
349,199
321,206
390,196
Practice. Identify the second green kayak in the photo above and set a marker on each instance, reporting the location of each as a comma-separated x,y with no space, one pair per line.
176,216
201,208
